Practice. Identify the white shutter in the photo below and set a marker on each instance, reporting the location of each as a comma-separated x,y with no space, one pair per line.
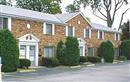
102,34
98,34
53,29
90,32
84,33
73,31
44,28
66,30
115,36
9,23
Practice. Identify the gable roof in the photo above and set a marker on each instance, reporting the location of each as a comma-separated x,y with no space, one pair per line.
24,13
103,28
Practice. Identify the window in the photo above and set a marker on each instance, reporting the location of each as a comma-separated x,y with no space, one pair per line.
49,52
90,51
81,51
49,29
87,33
100,35
70,31
117,36
23,51
3,23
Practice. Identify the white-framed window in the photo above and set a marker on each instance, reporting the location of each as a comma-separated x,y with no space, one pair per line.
49,29
3,23
70,31
23,51
49,51
117,36
81,50
87,33
100,35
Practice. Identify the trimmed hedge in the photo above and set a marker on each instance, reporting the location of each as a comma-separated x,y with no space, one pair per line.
106,51
9,51
24,63
125,49
71,55
51,62
83,59
122,58
94,59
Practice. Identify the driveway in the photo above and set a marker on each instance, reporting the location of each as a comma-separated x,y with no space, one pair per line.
99,73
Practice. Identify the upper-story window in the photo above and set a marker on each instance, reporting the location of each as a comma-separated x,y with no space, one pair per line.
100,35
87,33
49,29
117,36
3,23
70,31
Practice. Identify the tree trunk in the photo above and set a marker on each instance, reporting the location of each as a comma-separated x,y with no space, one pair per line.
109,21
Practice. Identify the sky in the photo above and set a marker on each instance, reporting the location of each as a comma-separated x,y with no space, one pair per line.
88,13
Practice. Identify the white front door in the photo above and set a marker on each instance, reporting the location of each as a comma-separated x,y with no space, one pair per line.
32,52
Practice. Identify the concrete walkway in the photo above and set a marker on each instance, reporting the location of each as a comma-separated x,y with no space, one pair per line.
99,73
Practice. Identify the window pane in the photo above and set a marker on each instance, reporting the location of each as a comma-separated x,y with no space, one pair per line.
49,29
90,51
87,33
100,35
48,52
1,22
23,51
81,51
70,31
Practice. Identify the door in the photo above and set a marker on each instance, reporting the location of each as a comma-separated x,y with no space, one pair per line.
22,51
81,51
32,52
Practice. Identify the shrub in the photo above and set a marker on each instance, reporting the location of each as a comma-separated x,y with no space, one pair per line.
60,51
125,49
24,63
83,59
122,58
9,51
106,51
51,62
94,59
71,54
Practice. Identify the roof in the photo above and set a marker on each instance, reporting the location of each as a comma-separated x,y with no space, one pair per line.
24,13
103,28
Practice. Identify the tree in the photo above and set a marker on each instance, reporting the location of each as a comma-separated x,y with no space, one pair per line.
5,2
71,55
72,8
125,49
106,8
125,31
46,6
9,51
106,51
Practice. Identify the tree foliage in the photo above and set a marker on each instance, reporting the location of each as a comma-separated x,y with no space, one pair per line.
46,6
125,49
5,2
126,31
9,51
106,8
71,8
106,51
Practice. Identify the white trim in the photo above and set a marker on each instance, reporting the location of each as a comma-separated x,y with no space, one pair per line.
98,35
44,28
53,29
84,33
82,43
118,36
90,32
66,30
102,34
9,23
115,36
73,31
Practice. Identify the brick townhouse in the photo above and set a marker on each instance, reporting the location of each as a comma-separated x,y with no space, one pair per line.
38,33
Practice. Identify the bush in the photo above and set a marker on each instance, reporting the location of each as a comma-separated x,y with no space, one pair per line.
71,54
9,51
83,59
51,62
24,63
60,51
94,59
122,58
106,51
125,49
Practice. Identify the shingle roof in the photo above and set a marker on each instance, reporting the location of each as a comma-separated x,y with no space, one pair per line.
103,28
24,13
